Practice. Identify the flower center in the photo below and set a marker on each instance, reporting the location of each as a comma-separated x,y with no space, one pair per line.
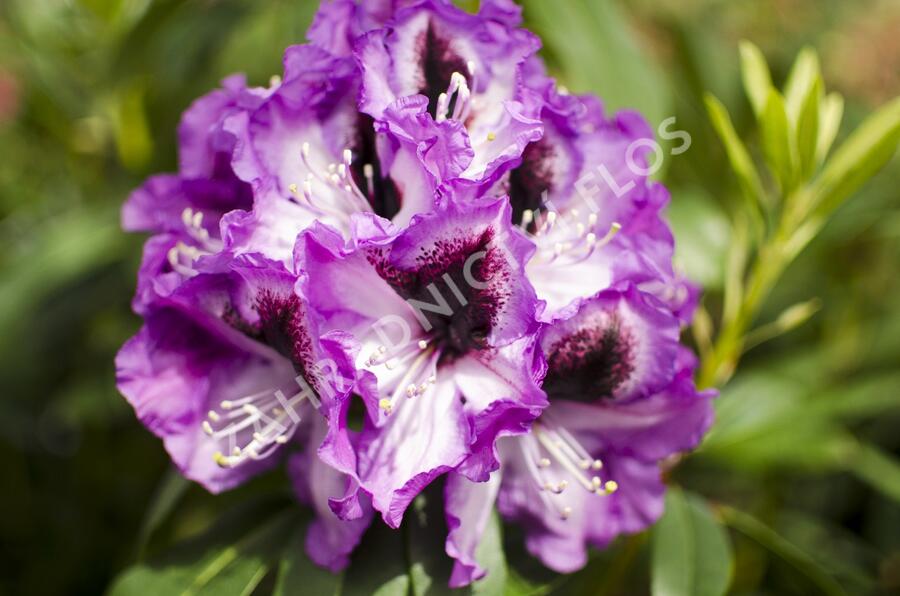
567,240
590,363
438,65
383,195
449,292
456,294
529,182
254,426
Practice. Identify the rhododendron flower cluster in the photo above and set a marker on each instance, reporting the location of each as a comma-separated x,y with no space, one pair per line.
416,219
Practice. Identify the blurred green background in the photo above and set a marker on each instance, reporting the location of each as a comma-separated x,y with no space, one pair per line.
90,95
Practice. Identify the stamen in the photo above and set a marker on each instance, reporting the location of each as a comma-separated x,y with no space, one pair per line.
461,107
443,104
255,425
569,453
527,218
407,382
369,173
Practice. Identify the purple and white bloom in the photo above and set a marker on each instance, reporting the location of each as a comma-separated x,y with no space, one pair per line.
446,323
582,192
339,23
466,70
184,210
621,401
416,215
311,156
227,368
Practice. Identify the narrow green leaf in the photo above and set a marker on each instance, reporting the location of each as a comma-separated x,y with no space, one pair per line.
859,158
298,576
740,160
691,552
847,556
832,111
866,397
756,77
808,130
877,468
233,557
803,76
762,534
168,494
787,321
777,139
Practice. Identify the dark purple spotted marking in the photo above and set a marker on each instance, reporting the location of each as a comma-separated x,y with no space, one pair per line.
590,364
529,181
437,63
385,198
469,326
281,326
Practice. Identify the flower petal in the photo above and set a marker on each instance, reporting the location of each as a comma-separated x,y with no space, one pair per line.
468,507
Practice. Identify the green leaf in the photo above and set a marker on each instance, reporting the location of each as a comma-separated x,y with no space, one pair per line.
808,130
756,77
298,576
425,530
787,551
763,421
517,585
802,78
832,111
491,558
777,140
232,558
378,566
168,494
702,235
847,556
591,43
869,396
859,158
740,160
877,468
691,552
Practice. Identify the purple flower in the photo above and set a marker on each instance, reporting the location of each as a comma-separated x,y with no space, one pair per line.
184,209
339,23
446,323
415,214
230,369
311,156
226,368
465,68
621,401
582,193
